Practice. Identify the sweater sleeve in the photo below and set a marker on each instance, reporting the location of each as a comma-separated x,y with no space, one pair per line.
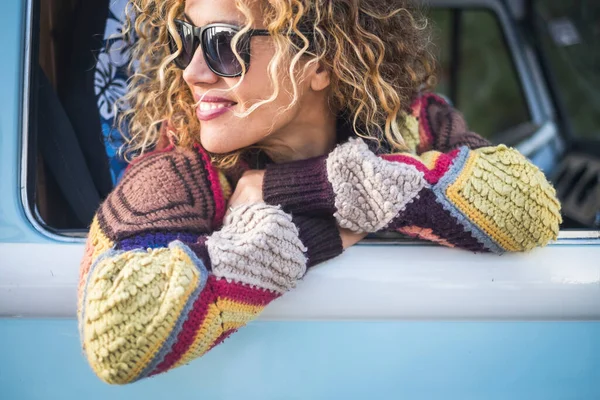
432,124
484,199
159,286
440,127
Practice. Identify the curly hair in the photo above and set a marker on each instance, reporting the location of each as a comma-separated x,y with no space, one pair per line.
378,53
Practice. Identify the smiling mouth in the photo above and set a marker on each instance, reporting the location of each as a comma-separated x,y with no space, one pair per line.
208,110
206,106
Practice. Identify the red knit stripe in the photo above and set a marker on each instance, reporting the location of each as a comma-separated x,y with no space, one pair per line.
215,288
241,293
191,326
213,176
426,142
442,164
405,159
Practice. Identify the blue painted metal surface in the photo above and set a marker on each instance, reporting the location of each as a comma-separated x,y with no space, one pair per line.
10,71
41,359
14,227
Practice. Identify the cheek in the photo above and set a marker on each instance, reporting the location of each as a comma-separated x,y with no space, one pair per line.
257,86
234,133
230,132
261,54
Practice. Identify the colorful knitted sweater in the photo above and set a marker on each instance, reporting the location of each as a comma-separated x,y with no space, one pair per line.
164,279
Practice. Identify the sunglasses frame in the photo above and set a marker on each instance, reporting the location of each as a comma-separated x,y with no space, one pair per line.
198,34
198,37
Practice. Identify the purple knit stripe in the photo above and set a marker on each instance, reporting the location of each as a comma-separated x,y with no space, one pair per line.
155,240
426,212
320,236
201,251
300,187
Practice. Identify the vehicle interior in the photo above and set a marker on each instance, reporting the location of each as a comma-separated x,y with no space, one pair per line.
70,169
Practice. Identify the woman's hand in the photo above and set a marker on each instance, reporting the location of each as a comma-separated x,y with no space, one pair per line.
248,189
350,238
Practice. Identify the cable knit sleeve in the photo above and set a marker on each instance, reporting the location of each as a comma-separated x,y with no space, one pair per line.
473,196
159,286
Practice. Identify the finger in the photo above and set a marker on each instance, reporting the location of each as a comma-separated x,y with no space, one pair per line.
228,212
232,202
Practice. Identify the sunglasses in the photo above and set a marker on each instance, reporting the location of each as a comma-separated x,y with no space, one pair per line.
216,43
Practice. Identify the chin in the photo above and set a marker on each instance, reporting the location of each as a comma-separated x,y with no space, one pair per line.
216,145
222,141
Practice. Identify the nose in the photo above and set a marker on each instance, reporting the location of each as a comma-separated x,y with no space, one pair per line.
198,72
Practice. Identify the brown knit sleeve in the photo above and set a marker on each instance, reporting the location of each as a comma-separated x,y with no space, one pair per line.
443,128
166,191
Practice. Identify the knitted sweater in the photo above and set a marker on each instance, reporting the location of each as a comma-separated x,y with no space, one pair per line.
452,187
164,279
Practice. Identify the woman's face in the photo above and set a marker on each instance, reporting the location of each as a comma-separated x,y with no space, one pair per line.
221,130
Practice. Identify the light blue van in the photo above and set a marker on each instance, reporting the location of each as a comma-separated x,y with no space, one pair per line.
390,318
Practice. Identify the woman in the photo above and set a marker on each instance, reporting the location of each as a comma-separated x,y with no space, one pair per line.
301,120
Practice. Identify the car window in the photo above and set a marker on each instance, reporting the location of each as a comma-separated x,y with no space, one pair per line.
566,35
570,33
476,71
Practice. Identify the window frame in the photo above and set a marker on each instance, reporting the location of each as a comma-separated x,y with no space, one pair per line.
530,78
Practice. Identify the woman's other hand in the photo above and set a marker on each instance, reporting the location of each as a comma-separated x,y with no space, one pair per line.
248,189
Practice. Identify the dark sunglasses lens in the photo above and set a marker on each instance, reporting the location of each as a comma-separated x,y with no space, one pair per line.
189,45
219,53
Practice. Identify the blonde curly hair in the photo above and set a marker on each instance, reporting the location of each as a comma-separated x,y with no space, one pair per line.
377,51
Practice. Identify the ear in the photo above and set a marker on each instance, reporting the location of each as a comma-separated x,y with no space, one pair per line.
319,76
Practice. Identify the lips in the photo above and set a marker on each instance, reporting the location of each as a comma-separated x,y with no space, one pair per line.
212,107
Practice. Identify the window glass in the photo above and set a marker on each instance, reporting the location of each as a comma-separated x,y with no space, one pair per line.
476,73
72,169
570,32
476,70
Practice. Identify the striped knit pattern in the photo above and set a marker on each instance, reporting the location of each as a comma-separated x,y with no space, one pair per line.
506,197
164,278
452,187
499,198
156,290
501,201
143,312
164,191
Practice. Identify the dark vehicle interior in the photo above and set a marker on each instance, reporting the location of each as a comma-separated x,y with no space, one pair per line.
566,34
70,172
